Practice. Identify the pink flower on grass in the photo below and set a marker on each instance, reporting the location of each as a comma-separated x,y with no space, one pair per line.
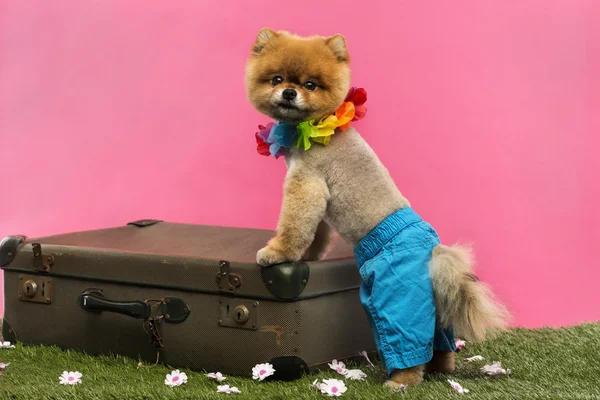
400,388
338,366
70,378
457,386
332,387
262,371
216,375
459,344
474,358
227,389
495,369
365,355
3,366
175,378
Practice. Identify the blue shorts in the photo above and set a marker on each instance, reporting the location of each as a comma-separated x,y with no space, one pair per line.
397,293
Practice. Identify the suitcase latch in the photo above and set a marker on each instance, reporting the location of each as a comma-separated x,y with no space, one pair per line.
35,288
41,262
238,313
227,281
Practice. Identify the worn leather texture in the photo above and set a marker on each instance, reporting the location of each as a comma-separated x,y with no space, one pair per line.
130,263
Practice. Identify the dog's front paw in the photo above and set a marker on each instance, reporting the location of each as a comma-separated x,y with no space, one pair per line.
269,256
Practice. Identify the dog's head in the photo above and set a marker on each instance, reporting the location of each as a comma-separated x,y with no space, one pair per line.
293,79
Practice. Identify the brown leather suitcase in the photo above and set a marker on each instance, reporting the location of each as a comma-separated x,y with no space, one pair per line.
191,295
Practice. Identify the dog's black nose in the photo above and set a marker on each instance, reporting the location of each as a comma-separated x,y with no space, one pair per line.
289,94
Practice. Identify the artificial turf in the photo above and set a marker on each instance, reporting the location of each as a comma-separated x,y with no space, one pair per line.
545,363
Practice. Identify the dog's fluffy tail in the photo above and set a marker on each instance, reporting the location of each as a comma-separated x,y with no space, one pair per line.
460,298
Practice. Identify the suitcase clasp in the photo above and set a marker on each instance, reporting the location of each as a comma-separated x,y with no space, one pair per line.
41,262
35,288
238,313
227,281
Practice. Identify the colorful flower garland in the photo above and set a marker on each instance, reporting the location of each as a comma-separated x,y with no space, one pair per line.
274,138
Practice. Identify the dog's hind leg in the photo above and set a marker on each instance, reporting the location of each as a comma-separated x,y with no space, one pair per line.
412,376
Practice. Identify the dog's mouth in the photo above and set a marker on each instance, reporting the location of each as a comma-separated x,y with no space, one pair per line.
286,105
287,111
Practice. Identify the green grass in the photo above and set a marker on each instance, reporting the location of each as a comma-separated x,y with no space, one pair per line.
545,363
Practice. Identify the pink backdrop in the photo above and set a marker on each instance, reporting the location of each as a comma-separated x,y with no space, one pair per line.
112,111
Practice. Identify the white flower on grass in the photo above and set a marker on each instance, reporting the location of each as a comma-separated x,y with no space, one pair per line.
2,365
6,345
456,386
400,388
365,355
355,374
316,384
332,387
70,378
495,369
227,389
459,344
338,367
261,371
475,358
216,375
175,378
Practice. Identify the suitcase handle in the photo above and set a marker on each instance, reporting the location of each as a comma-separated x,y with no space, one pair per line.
94,301
170,309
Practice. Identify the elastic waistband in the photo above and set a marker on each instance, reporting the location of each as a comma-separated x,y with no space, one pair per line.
372,243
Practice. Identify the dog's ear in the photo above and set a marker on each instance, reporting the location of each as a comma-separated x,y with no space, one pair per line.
337,44
264,36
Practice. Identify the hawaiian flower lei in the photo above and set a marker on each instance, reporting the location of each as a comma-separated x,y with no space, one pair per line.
274,138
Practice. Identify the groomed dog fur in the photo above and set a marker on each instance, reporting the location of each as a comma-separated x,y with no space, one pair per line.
344,187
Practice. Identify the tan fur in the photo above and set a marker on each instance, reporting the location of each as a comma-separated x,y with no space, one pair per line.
320,245
459,296
337,44
264,36
442,362
296,229
412,376
297,60
344,186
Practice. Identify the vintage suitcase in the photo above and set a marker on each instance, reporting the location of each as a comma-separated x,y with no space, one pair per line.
192,295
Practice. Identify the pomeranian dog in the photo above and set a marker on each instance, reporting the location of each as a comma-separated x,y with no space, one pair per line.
413,285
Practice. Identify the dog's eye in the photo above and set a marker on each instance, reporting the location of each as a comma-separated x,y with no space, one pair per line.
277,80
311,86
